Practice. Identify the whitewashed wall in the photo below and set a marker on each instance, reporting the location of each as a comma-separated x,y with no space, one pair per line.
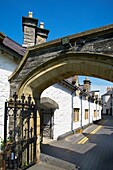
107,100
67,101
104,107
7,66
77,104
100,112
97,106
85,105
112,102
63,115
94,108
91,111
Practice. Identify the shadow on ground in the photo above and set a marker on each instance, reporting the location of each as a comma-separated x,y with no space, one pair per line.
96,154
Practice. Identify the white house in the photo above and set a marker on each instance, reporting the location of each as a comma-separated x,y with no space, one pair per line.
107,101
10,55
73,109
65,106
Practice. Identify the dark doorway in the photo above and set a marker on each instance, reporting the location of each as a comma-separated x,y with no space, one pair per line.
46,123
106,111
110,111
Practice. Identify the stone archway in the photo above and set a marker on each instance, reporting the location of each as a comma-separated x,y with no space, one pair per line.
89,53
95,65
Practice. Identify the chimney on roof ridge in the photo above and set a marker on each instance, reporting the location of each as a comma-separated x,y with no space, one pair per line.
87,84
32,33
42,34
74,80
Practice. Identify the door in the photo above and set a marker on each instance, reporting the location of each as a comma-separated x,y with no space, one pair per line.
47,124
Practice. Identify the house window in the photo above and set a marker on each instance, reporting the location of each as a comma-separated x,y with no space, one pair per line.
76,115
86,113
95,113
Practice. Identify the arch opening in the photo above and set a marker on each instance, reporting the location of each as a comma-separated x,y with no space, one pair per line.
94,65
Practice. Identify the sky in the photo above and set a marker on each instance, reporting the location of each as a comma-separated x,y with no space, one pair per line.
61,17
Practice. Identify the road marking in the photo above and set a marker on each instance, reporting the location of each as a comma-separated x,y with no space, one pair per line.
85,139
94,131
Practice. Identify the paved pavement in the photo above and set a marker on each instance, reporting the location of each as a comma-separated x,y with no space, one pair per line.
91,150
45,166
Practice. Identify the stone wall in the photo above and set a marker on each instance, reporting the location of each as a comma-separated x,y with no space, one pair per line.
96,53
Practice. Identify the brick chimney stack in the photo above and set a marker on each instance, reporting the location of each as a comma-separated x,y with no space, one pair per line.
32,34
42,34
29,28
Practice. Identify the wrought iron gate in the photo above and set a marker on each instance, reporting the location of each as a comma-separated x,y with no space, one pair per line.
19,133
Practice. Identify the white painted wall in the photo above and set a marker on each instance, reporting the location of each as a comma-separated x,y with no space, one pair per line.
77,104
108,102
63,115
67,101
100,112
91,111
7,66
94,107
104,105
85,105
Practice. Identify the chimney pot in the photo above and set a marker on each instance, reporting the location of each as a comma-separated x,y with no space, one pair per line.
30,14
42,25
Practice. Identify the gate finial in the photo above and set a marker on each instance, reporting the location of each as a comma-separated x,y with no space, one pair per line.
15,96
23,98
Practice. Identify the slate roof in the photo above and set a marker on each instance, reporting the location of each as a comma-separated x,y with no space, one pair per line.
8,44
107,93
69,83
1,36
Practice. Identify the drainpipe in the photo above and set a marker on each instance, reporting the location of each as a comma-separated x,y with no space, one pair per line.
112,102
89,111
96,110
81,110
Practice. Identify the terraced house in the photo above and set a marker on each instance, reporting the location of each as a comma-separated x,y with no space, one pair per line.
107,101
68,107
11,54
65,106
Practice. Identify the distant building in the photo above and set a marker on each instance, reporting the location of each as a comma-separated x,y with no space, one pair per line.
107,101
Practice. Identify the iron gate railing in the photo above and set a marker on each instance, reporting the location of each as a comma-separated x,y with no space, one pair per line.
19,133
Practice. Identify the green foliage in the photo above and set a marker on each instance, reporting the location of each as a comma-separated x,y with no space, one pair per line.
2,143
25,164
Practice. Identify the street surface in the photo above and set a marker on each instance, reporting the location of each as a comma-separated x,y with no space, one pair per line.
91,150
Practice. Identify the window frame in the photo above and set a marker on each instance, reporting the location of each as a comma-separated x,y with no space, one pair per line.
95,113
76,115
86,114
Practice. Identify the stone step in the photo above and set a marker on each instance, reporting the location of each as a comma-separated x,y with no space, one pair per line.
50,163
57,162
44,166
